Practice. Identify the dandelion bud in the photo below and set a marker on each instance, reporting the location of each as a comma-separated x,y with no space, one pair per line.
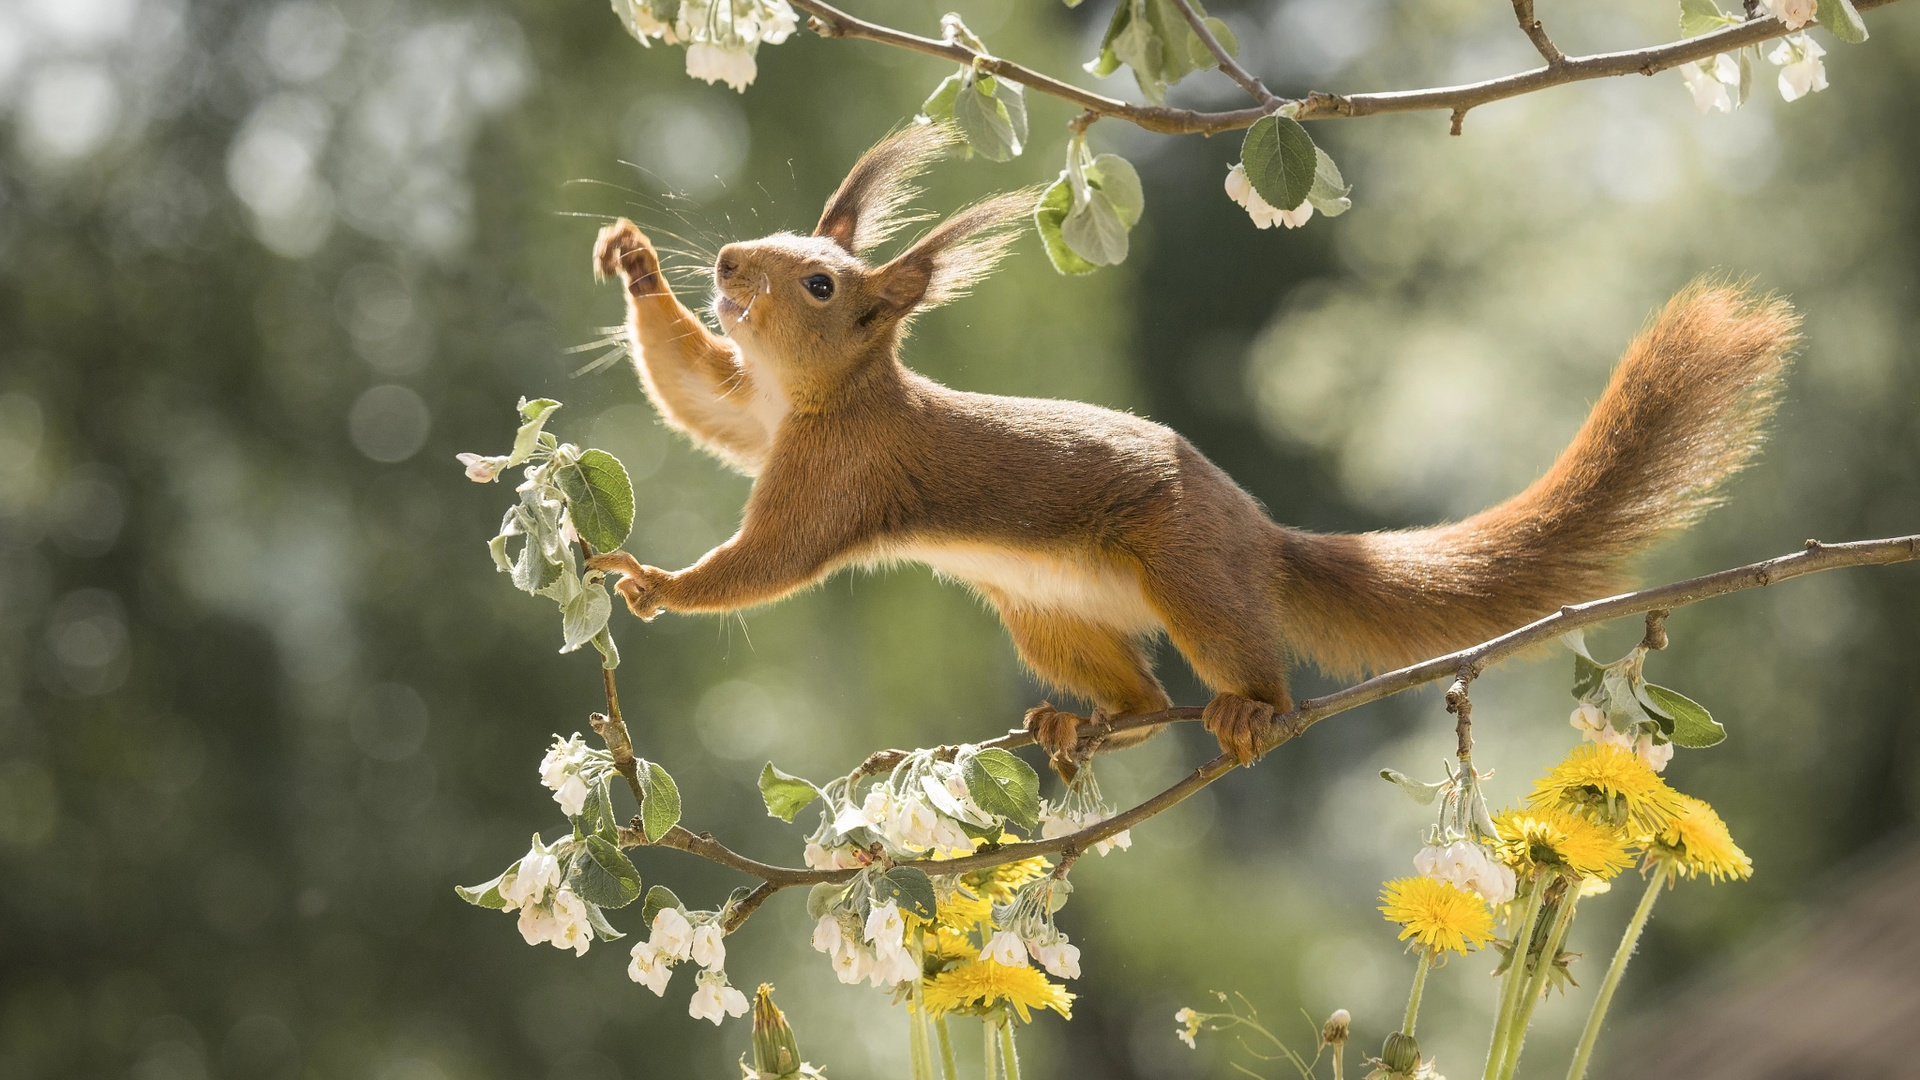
776,1053
1401,1054
1335,1031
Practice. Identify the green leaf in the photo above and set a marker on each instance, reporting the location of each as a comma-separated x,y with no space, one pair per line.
609,652
1095,232
1588,678
1004,786
1152,38
992,113
584,615
824,897
1223,34
660,810
1048,218
1116,178
909,887
1418,790
1621,700
1693,726
659,898
533,417
1280,160
1842,20
1700,17
601,927
939,104
497,547
487,895
784,793
1330,190
599,499
604,875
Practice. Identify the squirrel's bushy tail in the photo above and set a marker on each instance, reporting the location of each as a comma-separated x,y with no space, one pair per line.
1685,410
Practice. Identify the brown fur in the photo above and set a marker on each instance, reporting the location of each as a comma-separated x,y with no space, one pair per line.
1091,530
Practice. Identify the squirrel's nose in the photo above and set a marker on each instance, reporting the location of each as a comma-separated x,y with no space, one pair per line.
726,266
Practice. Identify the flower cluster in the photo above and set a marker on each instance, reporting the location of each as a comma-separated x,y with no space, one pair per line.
550,911
988,925
1649,746
674,939
571,769
1240,189
721,36
1467,865
875,949
1082,807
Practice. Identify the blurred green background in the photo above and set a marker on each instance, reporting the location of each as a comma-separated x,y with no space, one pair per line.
265,267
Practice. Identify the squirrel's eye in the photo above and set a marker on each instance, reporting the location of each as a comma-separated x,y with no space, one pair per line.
819,285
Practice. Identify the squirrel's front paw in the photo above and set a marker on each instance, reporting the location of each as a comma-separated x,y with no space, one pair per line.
640,586
623,250
1243,726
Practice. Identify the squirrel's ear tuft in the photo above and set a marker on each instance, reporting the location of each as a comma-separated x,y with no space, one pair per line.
953,255
871,203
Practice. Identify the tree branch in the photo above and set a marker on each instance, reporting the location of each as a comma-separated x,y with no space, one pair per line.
1463,666
829,21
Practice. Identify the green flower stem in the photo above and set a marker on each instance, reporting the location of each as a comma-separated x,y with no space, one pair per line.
951,1068
1516,966
991,1070
1419,984
918,1056
1628,942
1009,1058
1537,981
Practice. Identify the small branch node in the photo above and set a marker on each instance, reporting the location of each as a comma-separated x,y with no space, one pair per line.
1656,636
1814,546
1459,118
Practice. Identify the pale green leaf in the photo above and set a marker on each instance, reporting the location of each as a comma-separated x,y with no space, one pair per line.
659,898
1330,190
660,810
1115,176
584,616
533,417
1417,790
1693,726
1842,20
1095,232
784,793
1048,217
488,894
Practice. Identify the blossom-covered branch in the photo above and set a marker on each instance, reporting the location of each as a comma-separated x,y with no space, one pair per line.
829,21
1816,557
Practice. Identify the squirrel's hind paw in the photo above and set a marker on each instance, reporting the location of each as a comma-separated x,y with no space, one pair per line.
1243,726
1056,732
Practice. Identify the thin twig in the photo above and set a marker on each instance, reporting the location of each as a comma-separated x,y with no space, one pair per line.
1536,33
1229,65
829,21
1461,706
1463,665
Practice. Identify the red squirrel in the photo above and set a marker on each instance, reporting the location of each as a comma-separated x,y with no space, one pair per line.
1089,530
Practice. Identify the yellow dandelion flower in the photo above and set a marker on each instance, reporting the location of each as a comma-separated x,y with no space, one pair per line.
1553,837
997,884
1609,784
1697,842
965,912
978,985
1437,914
947,943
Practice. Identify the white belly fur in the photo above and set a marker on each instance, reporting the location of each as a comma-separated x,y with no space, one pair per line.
1081,587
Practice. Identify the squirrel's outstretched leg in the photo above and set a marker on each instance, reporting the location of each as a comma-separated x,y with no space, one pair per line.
1228,638
1095,662
693,375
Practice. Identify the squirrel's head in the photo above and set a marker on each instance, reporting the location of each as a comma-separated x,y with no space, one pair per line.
816,310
